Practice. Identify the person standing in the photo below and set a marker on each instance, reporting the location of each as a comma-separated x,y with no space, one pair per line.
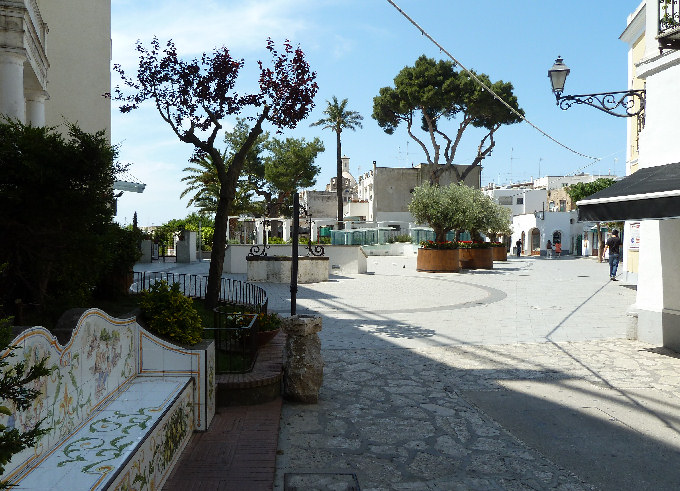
518,244
614,246
549,250
558,249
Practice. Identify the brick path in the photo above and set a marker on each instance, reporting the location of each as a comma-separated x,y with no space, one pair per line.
237,453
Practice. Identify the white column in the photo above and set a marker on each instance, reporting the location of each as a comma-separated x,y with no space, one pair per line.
12,102
35,107
286,229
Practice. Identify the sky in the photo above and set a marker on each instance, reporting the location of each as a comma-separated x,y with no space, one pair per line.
358,46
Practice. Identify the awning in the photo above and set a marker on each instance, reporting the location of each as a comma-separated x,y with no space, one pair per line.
651,193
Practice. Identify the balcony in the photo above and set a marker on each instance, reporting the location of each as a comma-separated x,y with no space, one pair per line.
669,24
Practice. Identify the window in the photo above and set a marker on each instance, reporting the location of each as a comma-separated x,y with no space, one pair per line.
505,200
520,201
563,205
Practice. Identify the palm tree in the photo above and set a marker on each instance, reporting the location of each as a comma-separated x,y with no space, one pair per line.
337,119
204,182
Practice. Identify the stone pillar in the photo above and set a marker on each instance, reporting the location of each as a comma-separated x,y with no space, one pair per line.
303,364
12,103
35,107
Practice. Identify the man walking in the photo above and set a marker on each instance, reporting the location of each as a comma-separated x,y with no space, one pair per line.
518,245
614,246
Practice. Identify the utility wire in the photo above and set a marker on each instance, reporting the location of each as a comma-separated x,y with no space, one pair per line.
485,87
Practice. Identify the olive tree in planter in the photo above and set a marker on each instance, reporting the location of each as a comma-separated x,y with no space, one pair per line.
443,208
477,217
499,225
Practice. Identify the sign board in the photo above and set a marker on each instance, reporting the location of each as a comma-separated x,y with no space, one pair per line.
634,237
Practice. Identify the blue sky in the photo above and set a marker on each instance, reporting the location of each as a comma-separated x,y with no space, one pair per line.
358,46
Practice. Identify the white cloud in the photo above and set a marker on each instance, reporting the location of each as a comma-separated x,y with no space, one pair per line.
242,26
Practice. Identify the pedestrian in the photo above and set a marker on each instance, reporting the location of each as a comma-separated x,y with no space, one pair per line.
518,244
614,246
549,250
558,249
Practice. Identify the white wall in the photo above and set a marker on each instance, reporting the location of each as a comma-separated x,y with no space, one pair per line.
658,301
79,52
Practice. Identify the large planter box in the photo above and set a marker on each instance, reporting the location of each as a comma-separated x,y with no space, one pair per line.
499,253
476,258
277,269
438,260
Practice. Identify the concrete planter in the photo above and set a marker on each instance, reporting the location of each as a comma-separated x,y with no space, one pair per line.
438,260
276,269
476,258
499,253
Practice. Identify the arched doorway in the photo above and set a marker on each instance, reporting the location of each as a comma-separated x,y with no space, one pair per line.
557,237
535,242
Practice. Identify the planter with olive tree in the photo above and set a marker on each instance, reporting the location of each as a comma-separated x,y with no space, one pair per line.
443,209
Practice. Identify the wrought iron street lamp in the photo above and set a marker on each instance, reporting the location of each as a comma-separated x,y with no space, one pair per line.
624,104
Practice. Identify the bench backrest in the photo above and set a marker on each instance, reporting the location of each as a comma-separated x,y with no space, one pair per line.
102,355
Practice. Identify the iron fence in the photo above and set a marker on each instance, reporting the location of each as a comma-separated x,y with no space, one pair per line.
232,291
235,337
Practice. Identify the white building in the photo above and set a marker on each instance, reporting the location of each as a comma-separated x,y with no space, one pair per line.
651,195
387,190
55,62
519,201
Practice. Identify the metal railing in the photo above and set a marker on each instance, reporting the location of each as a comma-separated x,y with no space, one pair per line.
191,285
669,24
235,338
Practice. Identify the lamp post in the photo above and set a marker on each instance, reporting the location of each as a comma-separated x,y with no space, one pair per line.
623,104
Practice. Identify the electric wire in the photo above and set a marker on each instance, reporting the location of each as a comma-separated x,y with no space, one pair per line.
485,87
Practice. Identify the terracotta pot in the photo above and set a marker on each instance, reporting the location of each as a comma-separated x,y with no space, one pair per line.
499,253
438,260
476,258
263,337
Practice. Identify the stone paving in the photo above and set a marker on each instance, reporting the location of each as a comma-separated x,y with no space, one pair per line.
516,378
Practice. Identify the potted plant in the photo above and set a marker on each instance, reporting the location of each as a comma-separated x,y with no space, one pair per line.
499,225
475,254
269,326
443,208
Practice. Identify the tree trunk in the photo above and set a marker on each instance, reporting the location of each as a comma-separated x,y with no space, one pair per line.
228,181
338,179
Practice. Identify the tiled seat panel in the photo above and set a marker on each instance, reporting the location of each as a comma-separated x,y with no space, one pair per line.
89,457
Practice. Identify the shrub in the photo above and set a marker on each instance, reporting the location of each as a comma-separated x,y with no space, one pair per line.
275,240
469,244
170,314
431,244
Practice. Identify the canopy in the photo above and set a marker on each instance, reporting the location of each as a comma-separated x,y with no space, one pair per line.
650,193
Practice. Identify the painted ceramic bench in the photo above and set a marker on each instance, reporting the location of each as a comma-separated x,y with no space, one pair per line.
120,403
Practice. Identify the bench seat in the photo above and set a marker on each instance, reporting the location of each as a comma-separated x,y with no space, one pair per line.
97,455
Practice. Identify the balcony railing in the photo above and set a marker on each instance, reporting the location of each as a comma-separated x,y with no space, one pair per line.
669,24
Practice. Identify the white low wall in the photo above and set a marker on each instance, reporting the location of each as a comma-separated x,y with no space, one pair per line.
341,259
395,249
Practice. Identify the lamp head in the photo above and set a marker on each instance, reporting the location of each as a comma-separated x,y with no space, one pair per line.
558,76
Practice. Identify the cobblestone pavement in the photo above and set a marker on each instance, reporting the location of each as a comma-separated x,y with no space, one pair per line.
516,378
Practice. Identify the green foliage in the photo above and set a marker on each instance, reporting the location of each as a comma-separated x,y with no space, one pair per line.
474,244
399,238
582,190
434,92
55,209
443,208
445,245
265,321
16,394
168,313
275,240
455,207
338,118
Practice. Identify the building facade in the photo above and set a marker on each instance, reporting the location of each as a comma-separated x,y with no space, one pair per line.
654,38
55,62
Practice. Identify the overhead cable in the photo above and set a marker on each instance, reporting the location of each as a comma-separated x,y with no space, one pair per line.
485,87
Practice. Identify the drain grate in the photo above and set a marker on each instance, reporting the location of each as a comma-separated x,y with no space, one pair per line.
320,481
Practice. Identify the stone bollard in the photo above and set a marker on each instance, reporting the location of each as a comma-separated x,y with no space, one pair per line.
303,364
